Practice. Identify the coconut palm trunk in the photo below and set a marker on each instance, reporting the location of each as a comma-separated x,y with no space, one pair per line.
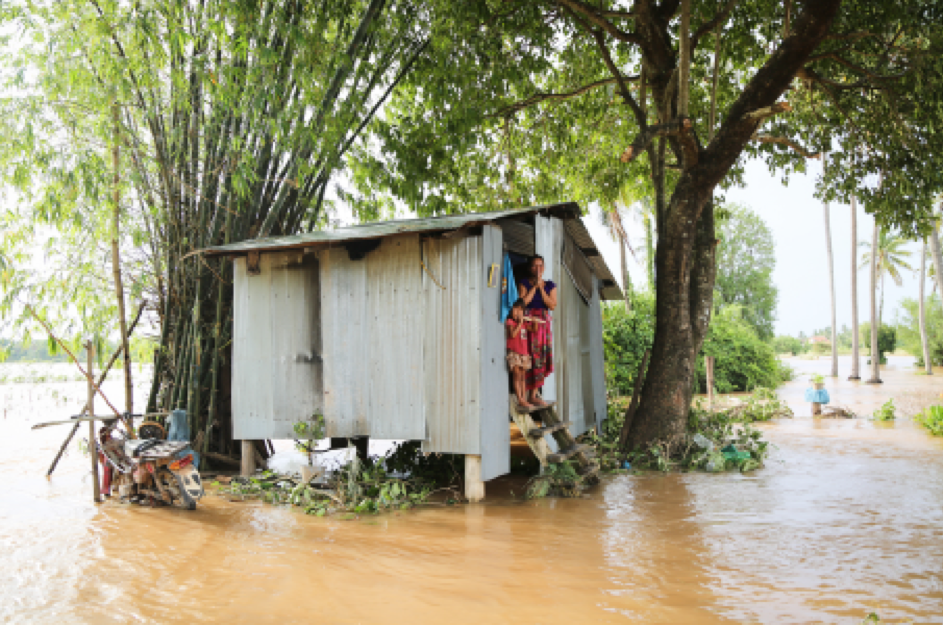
831,282
924,343
875,357
855,351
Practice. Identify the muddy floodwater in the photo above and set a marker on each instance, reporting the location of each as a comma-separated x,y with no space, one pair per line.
846,518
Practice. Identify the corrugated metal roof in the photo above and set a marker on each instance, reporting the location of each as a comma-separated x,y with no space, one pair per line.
443,223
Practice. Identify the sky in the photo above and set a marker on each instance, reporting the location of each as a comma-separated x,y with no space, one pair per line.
797,222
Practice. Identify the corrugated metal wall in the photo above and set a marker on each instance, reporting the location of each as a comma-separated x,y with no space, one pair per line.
451,344
373,326
597,356
495,432
277,376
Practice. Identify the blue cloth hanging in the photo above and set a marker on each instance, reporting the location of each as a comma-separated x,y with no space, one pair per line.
508,288
179,430
816,396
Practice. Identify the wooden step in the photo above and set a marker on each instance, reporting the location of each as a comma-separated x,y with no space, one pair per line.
568,453
532,409
549,429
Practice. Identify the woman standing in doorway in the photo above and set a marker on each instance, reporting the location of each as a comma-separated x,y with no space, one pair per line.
540,299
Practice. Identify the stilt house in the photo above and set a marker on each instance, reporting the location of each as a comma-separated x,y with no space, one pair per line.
392,329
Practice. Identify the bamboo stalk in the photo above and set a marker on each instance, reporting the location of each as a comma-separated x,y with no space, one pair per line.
85,409
92,446
116,265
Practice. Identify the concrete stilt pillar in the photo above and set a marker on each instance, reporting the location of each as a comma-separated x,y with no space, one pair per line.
248,458
474,486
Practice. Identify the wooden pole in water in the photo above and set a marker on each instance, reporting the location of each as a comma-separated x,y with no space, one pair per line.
92,447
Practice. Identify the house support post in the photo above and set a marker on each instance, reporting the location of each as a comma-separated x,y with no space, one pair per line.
474,487
248,458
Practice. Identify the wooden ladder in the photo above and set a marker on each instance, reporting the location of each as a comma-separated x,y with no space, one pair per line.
551,424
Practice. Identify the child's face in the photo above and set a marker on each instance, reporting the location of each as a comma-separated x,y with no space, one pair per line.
518,313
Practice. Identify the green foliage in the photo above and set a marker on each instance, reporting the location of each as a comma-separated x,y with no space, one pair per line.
887,411
788,345
908,328
932,420
439,470
817,378
743,361
746,258
822,348
887,339
626,336
309,433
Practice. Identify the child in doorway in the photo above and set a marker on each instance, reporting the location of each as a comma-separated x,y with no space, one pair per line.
518,359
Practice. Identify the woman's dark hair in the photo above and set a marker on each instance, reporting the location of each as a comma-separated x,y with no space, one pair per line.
518,304
535,257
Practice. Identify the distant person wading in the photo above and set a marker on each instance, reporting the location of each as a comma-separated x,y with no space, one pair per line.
540,299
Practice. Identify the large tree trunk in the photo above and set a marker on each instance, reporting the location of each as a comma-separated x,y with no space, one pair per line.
924,343
684,259
831,280
855,348
684,297
875,321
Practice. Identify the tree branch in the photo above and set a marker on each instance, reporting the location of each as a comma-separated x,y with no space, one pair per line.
594,17
541,97
786,142
760,114
623,87
708,26
645,138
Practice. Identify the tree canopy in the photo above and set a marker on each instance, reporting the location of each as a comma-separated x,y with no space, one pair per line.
746,258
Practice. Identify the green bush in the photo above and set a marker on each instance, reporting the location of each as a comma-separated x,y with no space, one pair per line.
909,328
787,345
932,420
743,361
626,336
887,340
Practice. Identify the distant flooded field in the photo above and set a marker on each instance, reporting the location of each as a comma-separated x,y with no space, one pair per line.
845,519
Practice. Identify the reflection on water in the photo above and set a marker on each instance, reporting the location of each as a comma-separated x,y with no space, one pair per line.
846,518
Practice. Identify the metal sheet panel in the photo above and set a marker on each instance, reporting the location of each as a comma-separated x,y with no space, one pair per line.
296,374
518,236
569,357
395,330
345,332
597,357
495,433
252,353
451,349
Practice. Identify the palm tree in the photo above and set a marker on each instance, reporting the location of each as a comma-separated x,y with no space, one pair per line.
927,364
875,360
831,278
890,260
855,352
937,255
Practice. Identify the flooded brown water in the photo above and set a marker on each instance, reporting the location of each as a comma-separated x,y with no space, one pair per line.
846,518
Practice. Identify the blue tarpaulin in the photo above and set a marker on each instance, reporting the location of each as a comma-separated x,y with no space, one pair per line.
508,287
816,396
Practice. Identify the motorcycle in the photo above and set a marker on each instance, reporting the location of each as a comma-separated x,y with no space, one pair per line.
149,469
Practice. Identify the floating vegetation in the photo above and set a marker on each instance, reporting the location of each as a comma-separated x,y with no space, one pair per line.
931,419
358,487
887,412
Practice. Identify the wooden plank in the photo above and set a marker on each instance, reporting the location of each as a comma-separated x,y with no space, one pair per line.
568,453
526,425
548,429
474,485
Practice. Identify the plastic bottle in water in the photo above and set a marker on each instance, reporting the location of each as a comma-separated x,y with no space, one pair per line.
703,442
